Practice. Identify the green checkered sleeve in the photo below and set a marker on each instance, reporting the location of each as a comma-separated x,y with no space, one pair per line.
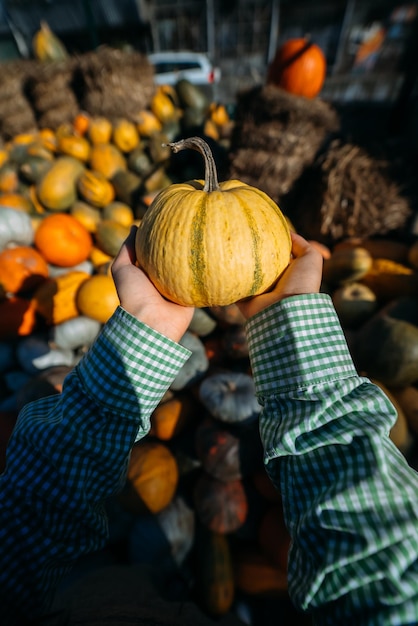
69,452
349,496
126,381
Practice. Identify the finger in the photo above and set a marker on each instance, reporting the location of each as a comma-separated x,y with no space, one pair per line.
126,254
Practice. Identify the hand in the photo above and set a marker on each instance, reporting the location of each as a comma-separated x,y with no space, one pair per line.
303,275
139,297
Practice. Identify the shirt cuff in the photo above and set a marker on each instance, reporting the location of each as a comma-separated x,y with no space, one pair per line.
297,342
130,366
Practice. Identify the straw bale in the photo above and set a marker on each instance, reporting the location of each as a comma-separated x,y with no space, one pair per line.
348,193
20,122
276,136
117,83
65,113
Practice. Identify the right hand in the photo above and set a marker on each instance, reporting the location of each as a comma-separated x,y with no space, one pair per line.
303,275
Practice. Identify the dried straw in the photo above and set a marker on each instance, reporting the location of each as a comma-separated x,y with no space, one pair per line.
348,193
276,136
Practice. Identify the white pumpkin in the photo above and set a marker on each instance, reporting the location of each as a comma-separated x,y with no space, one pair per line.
76,332
15,228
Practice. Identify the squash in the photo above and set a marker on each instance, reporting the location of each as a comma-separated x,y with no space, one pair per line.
97,297
110,235
125,135
74,145
389,279
195,367
152,475
162,106
218,451
107,159
100,130
346,265
191,96
210,244
47,46
147,123
202,323
63,240
254,573
18,317
22,269
15,201
355,303
119,212
382,248
9,178
15,228
55,299
89,216
165,538
169,418
299,67
214,573
95,188
34,355
230,397
34,168
81,123
56,190
220,506
74,333
386,349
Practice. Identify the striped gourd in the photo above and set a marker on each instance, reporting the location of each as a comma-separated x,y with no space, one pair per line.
208,244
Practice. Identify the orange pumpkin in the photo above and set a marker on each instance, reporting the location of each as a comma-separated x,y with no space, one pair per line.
16,201
18,317
74,145
81,123
22,269
153,475
125,135
107,159
171,416
63,240
299,67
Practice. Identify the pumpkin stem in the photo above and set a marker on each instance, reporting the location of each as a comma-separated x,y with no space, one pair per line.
197,143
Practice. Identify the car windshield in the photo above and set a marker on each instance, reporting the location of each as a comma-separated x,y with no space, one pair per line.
175,66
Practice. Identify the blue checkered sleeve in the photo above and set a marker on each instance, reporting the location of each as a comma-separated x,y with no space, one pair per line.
350,498
68,453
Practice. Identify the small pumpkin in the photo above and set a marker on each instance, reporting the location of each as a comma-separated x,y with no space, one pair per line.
110,235
125,135
205,244
195,367
218,450
107,159
153,475
95,188
100,130
163,107
81,123
221,506
230,396
75,332
169,418
9,178
56,190
254,573
346,265
16,201
74,145
119,212
15,228
55,299
22,269
63,240
89,216
299,66
97,297
35,355
147,123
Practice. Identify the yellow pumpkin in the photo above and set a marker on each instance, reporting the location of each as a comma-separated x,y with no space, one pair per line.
99,130
87,215
95,188
148,123
208,244
57,188
125,135
74,145
163,107
107,159
97,297
119,212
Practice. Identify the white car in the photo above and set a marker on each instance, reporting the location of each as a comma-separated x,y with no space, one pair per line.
170,67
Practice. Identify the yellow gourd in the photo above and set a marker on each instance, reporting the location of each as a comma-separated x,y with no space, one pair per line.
208,244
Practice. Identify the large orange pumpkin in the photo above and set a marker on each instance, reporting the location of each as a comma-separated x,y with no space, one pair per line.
22,269
63,240
299,67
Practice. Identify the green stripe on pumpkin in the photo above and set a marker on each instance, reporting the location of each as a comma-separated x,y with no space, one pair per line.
197,249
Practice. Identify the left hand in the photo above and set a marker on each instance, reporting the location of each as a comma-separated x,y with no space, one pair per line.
139,297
